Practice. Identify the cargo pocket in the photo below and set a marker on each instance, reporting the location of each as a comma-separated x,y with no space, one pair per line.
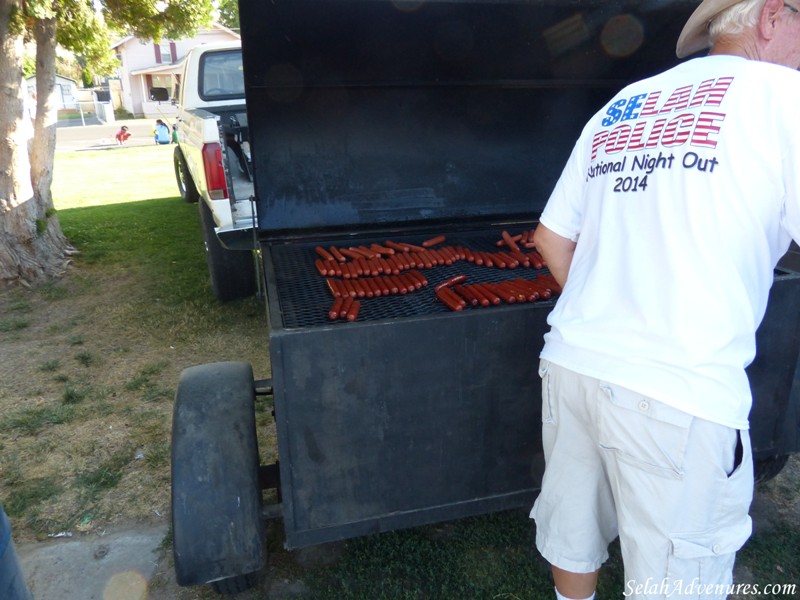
644,433
701,564
548,401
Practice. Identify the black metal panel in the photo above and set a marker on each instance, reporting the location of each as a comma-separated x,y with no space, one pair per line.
368,114
774,418
392,424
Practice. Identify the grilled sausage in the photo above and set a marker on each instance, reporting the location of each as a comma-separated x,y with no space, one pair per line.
433,241
447,297
324,254
451,281
333,313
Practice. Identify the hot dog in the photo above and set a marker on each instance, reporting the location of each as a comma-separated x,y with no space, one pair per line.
352,311
433,241
366,252
351,254
510,242
542,288
508,295
334,288
488,292
551,282
349,287
450,281
523,259
346,304
411,283
419,277
391,284
536,260
447,297
338,255
333,313
483,300
373,286
381,249
383,285
397,247
324,254
361,289
466,294
528,289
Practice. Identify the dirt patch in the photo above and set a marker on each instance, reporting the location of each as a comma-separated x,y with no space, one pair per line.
86,399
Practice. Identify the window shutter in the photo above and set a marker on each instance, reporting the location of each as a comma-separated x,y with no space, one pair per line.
173,52
158,53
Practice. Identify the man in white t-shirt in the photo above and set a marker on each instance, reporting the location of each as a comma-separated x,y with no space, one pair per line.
680,197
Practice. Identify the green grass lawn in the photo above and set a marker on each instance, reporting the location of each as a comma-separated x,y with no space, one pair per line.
113,175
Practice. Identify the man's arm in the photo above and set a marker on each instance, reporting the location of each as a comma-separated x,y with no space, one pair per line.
556,250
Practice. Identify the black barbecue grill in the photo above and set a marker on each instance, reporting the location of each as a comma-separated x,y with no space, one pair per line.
375,120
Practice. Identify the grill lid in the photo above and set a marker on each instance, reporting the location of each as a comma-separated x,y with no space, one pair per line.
378,114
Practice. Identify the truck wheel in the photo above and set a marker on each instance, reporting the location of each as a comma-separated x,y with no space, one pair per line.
768,468
217,526
232,272
185,182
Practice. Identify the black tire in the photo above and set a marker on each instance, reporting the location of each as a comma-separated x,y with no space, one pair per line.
186,184
232,272
218,531
768,468
235,585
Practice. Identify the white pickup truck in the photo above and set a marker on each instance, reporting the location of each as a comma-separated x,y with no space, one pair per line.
213,166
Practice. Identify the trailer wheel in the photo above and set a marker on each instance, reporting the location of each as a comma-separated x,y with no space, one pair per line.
235,585
232,272
217,525
768,468
186,184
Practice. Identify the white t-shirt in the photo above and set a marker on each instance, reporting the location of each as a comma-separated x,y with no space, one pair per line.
682,194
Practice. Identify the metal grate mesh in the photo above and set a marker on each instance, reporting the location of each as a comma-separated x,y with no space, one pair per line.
305,298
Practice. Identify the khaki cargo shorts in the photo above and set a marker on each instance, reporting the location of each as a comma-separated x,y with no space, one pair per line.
676,489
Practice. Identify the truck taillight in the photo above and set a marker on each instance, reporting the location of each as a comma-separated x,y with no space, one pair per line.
215,172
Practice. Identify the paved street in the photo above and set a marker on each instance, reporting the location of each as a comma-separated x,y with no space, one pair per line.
71,135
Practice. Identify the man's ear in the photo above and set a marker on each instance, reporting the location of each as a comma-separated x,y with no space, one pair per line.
768,18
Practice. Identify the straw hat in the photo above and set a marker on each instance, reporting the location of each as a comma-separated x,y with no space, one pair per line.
694,36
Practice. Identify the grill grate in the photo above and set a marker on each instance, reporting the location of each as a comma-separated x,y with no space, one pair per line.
305,299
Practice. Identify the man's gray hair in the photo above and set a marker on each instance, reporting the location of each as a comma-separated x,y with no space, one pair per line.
736,19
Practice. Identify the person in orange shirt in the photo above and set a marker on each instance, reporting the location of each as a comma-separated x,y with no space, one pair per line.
122,135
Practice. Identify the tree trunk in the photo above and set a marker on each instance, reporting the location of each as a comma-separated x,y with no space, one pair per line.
43,148
32,246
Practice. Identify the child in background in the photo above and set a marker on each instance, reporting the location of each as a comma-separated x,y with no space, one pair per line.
161,133
122,135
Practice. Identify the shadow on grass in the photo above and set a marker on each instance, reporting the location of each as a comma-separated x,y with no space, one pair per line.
161,237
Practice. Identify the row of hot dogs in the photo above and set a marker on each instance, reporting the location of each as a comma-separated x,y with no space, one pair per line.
455,294
395,257
359,272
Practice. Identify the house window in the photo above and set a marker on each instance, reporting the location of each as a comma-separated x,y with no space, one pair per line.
164,81
165,52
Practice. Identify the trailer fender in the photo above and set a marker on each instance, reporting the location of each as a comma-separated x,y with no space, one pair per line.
218,532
